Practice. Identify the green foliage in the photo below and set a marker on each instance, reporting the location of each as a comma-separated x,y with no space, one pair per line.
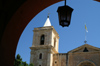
18,61
24,64
31,64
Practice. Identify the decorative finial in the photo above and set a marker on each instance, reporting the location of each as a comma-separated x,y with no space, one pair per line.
48,15
85,41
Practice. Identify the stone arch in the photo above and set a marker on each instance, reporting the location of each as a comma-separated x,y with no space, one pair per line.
86,63
13,27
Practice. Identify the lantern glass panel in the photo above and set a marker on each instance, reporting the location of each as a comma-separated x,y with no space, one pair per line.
64,19
63,16
68,16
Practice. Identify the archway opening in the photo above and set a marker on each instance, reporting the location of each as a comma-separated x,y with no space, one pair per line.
86,63
81,14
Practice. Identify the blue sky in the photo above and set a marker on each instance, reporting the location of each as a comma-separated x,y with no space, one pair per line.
85,11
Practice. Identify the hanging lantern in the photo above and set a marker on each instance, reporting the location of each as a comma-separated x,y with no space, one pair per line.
64,13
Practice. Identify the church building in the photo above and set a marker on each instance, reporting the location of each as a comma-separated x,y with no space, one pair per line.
44,50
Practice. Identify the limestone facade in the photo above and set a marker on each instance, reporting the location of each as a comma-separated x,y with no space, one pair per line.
85,55
78,57
46,54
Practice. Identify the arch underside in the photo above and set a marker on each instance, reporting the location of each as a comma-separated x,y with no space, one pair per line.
14,19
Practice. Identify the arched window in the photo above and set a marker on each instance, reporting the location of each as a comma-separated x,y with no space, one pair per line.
42,40
40,56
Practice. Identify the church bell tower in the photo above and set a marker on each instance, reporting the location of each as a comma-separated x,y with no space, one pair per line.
45,44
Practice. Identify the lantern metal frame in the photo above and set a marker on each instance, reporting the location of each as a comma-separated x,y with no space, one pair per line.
64,13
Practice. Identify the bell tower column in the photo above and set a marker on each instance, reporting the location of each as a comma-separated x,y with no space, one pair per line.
45,44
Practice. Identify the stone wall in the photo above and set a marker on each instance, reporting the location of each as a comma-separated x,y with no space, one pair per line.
45,57
60,59
78,57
